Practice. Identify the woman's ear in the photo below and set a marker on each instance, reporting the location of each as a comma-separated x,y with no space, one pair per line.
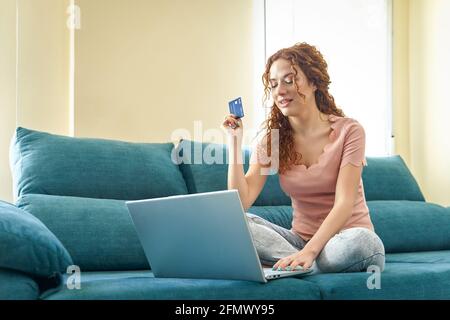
312,85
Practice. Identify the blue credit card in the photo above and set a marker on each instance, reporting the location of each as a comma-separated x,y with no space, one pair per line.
236,107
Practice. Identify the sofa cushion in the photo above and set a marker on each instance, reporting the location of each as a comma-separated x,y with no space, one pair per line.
405,226
98,233
139,285
44,163
15,285
280,215
388,178
398,281
27,245
205,168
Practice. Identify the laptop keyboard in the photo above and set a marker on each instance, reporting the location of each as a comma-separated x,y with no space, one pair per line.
269,271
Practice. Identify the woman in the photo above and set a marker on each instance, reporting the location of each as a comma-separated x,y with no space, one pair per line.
320,160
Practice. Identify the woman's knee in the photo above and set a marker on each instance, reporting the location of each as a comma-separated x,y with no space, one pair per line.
352,250
254,218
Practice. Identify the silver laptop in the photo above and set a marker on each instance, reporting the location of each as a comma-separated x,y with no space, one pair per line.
203,235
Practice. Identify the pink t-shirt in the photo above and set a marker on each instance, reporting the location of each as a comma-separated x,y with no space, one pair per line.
312,190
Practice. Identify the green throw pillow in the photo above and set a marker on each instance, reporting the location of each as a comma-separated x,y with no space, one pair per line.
27,245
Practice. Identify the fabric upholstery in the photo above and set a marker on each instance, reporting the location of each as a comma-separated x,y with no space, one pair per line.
15,285
139,285
411,225
27,245
205,166
44,163
98,233
388,178
398,281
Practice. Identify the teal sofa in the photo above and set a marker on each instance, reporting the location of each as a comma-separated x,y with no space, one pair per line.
70,211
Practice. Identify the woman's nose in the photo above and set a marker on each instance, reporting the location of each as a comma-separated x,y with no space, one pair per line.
280,89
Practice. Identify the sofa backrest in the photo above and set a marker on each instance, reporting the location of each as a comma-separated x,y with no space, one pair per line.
44,163
384,178
388,178
54,175
403,226
205,168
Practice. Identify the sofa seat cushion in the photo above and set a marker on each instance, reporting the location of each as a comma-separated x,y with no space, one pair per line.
15,285
44,163
139,285
399,280
98,233
440,256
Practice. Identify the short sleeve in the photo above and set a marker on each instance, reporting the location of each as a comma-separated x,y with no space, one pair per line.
354,146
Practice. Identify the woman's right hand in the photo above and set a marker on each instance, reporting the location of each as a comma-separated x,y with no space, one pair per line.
233,126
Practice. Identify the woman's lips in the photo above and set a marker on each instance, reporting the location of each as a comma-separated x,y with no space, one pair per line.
284,103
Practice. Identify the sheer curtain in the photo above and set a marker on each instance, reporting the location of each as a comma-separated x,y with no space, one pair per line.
354,37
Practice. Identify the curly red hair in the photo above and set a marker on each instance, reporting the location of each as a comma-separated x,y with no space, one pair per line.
314,66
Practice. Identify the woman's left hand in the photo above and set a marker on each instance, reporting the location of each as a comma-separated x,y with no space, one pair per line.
302,258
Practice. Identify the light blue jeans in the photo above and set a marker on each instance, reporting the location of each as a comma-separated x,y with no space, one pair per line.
351,250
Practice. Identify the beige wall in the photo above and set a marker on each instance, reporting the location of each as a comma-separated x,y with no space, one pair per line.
421,78
7,91
400,81
43,61
146,68
429,86
42,73
143,69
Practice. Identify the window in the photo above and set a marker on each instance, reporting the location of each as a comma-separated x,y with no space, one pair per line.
354,37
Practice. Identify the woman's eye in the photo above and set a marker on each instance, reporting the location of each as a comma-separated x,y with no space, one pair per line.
288,81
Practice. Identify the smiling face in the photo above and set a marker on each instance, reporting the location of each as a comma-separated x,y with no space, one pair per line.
285,86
